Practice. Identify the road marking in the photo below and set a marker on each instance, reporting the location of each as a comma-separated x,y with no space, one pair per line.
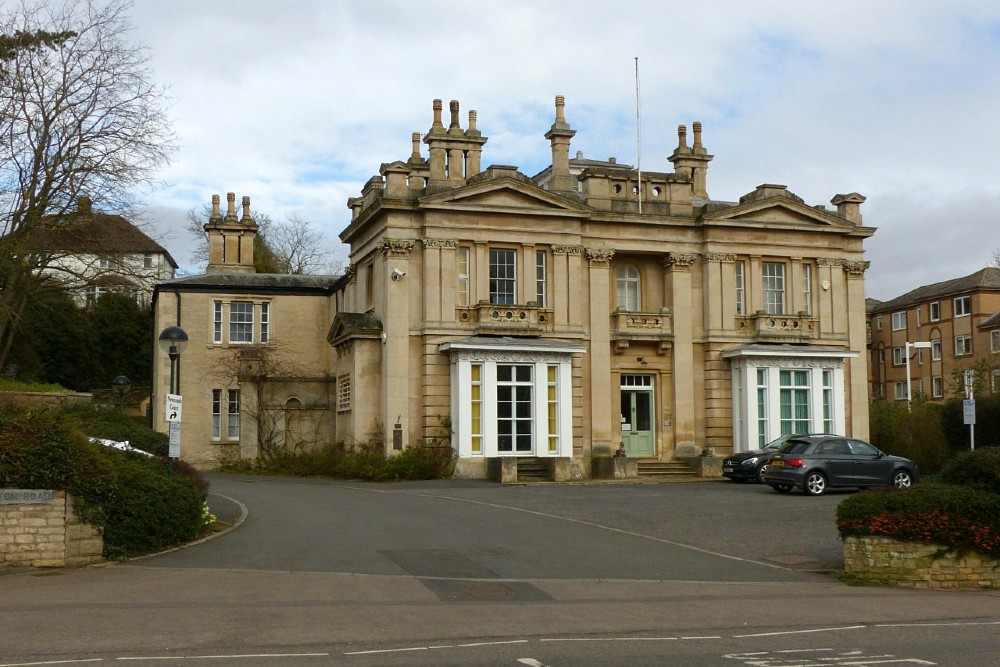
429,648
801,632
609,639
222,656
531,662
50,662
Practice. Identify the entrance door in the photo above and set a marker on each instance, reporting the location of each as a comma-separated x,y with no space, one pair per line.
637,415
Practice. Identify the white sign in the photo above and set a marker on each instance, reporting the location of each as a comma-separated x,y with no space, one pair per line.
173,407
174,451
969,411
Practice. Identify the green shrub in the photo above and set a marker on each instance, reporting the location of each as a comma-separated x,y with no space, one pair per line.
960,518
916,434
979,469
139,504
111,423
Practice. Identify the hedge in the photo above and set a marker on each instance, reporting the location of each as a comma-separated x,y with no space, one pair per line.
956,517
139,504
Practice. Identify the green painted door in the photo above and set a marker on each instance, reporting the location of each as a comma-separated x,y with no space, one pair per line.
637,415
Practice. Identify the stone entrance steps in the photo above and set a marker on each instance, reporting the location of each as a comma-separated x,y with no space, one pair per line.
532,470
666,470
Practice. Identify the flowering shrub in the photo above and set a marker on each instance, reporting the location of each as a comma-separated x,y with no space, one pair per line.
963,519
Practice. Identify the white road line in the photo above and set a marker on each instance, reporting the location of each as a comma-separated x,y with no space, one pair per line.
50,662
800,632
222,656
610,639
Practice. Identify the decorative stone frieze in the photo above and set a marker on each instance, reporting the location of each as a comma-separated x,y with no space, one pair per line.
600,255
856,269
679,260
396,247
828,261
723,257
439,243
826,363
567,249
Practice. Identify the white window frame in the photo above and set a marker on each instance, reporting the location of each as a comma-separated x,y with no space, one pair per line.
898,356
963,345
899,320
900,389
995,340
549,393
216,414
934,311
807,288
741,287
265,322
995,380
756,393
962,306
241,329
233,414
503,276
344,393
773,276
936,349
463,294
217,322
628,282
937,387
541,285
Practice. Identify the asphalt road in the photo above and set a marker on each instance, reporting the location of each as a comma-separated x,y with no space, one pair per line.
323,572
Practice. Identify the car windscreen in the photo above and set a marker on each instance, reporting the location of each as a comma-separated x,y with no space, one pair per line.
795,447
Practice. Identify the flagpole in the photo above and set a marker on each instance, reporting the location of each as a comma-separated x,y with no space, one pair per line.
638,138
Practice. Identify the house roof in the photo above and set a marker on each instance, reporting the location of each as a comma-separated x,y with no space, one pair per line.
991,321
984,279
251,282
87,232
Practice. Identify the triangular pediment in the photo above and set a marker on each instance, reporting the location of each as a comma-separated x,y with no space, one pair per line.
511,194
778,211
348,325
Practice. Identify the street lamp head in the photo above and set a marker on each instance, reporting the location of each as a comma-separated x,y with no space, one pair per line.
173,340
120,385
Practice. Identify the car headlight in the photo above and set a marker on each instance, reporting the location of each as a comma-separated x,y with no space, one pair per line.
752,461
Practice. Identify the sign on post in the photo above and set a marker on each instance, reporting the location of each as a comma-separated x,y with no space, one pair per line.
174,450
969,411
173,407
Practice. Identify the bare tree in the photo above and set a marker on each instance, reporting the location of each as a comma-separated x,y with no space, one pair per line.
300,247
79,116
996,257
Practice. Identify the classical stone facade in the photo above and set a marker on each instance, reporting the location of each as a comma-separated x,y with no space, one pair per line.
584,311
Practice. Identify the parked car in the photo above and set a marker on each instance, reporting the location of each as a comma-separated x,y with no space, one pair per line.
815,463
751,465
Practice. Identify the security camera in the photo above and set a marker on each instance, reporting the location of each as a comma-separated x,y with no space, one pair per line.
397,274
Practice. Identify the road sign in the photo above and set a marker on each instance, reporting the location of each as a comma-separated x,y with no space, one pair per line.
173,407
174,450
969,411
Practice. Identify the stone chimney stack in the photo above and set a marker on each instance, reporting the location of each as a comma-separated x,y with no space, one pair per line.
455,154
559,136
230,238
438,154
83,205
849,207
692,163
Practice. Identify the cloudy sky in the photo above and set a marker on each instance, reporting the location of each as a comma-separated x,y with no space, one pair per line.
297,103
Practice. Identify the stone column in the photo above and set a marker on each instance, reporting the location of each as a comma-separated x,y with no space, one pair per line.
678,268
601,404
395,369
857,367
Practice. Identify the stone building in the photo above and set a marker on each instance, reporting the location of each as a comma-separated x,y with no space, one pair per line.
959,319
571,315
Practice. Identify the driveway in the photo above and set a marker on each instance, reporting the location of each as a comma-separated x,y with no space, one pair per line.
712,531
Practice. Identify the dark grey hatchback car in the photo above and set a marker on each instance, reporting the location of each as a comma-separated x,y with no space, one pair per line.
815,463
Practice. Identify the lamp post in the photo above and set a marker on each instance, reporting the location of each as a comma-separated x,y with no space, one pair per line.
920,345
120,385
172,341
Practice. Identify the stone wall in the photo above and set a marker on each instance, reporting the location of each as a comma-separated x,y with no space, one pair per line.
45,533
884,560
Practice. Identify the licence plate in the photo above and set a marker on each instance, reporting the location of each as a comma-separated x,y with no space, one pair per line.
727,468
777,464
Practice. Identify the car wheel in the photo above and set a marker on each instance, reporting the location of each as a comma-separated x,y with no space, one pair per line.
815,484
760,473
902,479
782,488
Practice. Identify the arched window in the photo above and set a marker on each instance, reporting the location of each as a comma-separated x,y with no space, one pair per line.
628,288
